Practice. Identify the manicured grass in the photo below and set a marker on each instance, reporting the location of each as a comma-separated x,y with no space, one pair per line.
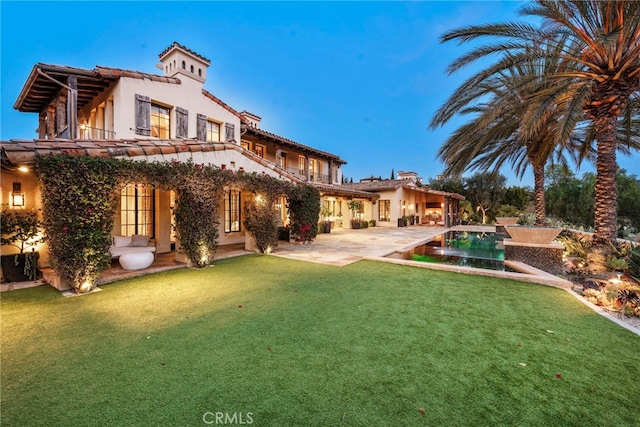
295,343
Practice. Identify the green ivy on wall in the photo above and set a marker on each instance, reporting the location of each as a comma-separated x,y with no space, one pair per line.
80,199
304,210
260,213
79,202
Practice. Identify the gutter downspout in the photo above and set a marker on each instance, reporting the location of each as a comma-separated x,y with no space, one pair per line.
72,104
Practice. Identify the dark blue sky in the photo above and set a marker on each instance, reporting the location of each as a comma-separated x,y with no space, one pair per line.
358,79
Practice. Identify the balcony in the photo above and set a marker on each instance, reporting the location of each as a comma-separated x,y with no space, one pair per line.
313,177
88,132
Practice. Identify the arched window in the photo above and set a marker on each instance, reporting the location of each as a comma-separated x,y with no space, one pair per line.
200,72
184,65
191,69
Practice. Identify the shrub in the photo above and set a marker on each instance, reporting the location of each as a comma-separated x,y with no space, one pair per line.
304,210
633,261
23,228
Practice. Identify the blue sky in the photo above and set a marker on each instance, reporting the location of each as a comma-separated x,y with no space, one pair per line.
358,79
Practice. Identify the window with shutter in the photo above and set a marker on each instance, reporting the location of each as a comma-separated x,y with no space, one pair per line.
201,127
213,131
143,115
182,123
229,131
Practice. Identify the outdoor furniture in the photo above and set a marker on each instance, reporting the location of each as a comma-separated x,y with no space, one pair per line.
130,244
136,260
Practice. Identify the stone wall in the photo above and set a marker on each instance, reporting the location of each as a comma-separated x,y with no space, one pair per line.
543,257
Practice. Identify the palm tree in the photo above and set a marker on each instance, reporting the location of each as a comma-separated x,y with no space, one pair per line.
601,52
497,133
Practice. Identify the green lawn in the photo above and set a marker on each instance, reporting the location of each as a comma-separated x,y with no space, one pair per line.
282,343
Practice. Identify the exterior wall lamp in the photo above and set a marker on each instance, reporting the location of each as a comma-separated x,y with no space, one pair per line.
17,196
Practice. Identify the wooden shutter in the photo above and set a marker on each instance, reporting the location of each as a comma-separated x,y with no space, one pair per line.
201,127
182,123
229,130
143,115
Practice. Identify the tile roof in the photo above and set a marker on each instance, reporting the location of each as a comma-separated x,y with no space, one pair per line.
342,191
294,144
115,73
383,185
223,105
41,84
394,184
176,44
21,152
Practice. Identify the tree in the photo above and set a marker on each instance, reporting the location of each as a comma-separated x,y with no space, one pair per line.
600,52
498,134
393,175
486,191
569,198
629,199
448,184
518,197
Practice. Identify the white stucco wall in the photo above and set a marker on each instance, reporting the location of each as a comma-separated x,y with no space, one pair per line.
187,95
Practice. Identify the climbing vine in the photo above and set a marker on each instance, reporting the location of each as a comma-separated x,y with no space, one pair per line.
304,209
80,200
260,213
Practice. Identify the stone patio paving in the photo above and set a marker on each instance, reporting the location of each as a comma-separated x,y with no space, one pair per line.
345,246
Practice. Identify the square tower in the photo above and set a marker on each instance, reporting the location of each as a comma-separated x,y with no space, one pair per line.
178,59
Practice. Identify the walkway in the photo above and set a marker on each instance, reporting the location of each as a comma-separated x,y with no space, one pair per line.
345,246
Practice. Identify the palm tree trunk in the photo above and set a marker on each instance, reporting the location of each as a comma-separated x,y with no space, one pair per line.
538,189
606,193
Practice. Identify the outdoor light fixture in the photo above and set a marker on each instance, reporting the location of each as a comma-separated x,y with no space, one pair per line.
17,196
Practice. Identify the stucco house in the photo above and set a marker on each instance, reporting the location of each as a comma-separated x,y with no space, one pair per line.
117,113
110,112
406,197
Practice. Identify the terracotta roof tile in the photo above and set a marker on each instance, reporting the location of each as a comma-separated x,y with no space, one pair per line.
223,104
176,44
115,73
264,133
16,152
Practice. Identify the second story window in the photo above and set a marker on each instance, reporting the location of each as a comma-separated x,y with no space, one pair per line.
213,131
302,165
160,121
259,150
283,160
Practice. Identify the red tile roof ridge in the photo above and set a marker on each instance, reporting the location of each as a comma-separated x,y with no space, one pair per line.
290,141
111,72
223,104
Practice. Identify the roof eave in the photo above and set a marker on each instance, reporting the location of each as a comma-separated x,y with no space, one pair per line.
26,88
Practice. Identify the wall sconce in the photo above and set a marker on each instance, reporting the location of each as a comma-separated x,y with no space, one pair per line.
17,196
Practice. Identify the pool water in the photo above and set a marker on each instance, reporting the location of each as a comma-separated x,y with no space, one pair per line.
463,248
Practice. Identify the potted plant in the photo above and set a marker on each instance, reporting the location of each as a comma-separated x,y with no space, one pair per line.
326,212
20,230
355,206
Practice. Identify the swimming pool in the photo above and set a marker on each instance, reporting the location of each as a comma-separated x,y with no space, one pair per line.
462,248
